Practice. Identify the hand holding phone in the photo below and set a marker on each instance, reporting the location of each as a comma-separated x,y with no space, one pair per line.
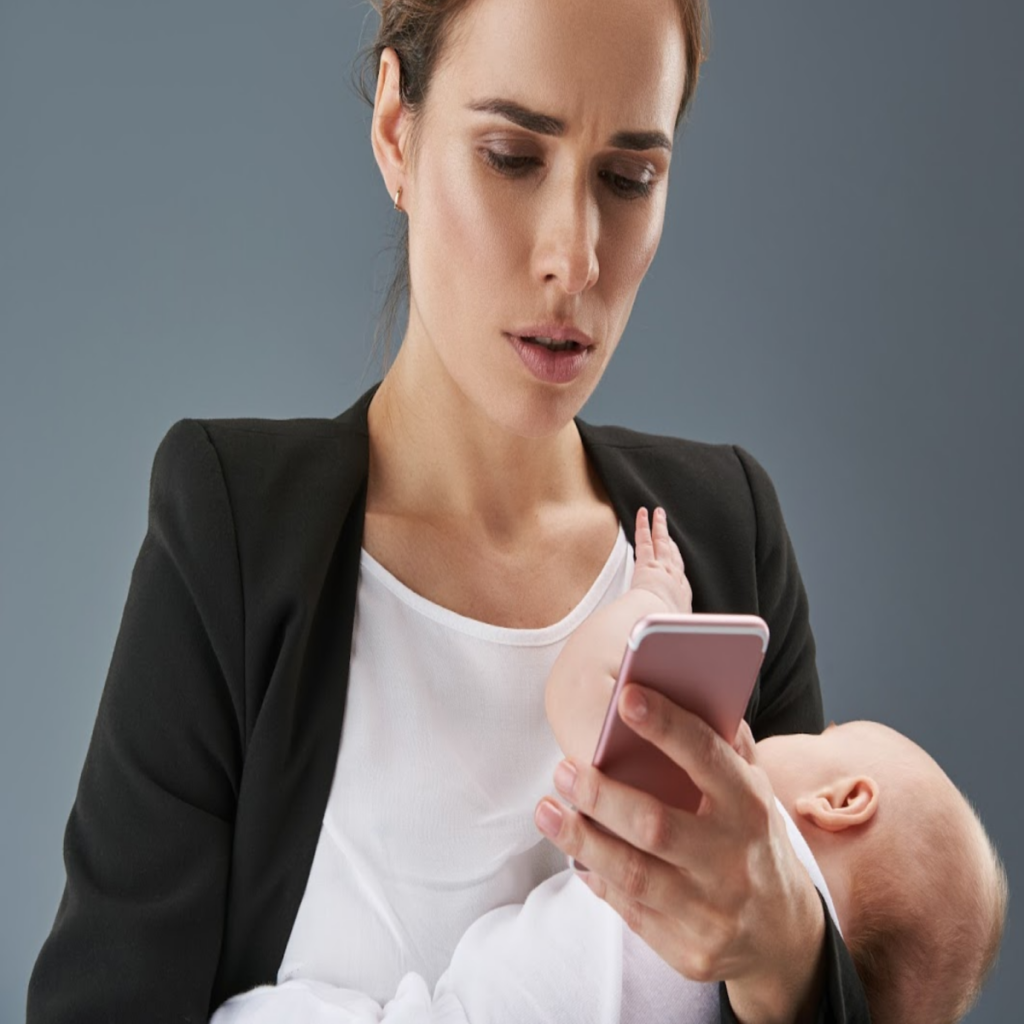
705,663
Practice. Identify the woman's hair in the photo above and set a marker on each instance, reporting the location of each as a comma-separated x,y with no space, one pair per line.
418,31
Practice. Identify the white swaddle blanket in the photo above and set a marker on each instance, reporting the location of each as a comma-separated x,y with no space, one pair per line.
440,901
564,955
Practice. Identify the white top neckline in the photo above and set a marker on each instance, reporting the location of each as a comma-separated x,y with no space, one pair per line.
537,637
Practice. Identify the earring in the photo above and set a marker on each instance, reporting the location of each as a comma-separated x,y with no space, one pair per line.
398,195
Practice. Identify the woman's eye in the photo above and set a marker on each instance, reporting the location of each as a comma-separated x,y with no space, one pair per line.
509,165
515,166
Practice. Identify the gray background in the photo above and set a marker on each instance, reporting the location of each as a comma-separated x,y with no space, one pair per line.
192,224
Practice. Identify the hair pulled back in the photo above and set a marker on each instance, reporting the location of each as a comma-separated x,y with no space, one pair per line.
418,31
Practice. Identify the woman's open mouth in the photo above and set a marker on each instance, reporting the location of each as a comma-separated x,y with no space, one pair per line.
554,346
555,362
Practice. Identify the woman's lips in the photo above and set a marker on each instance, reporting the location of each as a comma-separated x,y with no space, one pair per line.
548,366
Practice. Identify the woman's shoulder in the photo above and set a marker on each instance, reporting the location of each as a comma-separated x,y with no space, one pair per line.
261,452
721,498
281,489
722,468
616,436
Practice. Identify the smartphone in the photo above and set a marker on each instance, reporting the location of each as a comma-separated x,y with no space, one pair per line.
707,664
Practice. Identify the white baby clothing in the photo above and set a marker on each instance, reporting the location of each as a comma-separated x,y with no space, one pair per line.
432,896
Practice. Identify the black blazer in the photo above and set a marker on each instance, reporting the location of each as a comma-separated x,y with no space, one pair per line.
203,790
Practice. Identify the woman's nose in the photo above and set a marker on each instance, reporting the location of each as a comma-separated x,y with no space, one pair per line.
567,246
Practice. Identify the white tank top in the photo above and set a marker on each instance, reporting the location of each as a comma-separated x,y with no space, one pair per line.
445,751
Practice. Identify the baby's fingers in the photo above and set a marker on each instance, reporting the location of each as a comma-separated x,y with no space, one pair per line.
669,556
659,531
643,545
665,548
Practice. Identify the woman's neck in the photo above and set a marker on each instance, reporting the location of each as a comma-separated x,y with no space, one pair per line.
435,454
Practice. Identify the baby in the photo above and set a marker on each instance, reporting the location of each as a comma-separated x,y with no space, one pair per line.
918,890
902,861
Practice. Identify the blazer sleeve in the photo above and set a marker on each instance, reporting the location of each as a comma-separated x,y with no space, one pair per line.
790,693
843,1000
790,701
148,841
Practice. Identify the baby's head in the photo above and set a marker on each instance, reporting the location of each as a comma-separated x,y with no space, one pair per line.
918,887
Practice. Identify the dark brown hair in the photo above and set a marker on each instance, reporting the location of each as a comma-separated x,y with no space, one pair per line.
418,31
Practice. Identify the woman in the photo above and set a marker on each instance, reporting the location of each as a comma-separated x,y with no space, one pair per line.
262,685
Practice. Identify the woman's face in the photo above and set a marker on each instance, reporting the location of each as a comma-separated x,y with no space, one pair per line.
568,231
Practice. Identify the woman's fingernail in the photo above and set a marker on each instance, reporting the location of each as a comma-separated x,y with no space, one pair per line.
565,777
548,818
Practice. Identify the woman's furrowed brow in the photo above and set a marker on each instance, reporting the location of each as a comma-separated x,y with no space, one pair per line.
546,124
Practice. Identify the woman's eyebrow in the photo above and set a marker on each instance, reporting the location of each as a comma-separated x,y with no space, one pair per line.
545,124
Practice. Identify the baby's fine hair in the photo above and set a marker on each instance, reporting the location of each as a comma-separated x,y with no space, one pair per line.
924,950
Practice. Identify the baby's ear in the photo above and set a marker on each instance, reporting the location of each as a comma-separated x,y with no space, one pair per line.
841,804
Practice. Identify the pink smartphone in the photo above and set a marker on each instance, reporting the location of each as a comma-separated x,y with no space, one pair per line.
707,664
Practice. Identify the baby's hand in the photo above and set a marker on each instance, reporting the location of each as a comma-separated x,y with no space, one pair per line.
659,564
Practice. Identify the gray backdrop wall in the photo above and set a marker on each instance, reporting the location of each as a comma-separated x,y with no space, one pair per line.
192,224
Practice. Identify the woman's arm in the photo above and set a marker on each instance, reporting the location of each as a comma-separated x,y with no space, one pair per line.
789,692
719,894
790,702
147,848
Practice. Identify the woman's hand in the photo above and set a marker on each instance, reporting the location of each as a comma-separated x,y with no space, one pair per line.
720,894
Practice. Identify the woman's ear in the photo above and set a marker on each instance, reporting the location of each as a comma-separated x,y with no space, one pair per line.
387,131
841,804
